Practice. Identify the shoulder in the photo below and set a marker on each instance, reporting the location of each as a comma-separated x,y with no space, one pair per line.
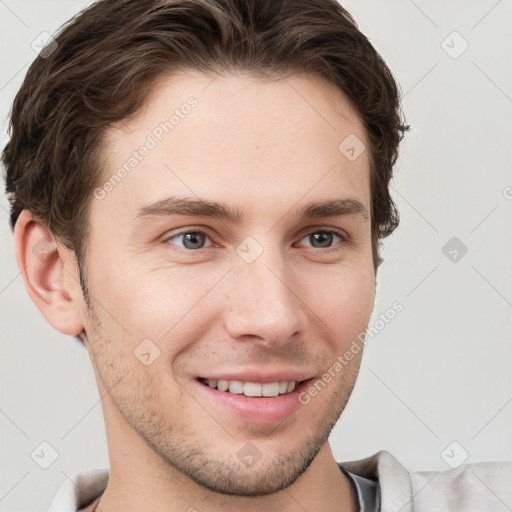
469,487
473,486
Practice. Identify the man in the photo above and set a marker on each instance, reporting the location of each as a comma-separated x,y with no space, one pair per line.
198,191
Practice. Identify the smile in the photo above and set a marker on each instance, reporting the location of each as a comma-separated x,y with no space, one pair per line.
251,389
255,403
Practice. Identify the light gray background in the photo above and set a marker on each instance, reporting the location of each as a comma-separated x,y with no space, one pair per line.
440,371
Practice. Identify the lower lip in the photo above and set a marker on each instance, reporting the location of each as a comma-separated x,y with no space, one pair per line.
257,410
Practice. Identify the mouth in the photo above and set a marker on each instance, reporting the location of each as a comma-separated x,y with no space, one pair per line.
252,402
252,389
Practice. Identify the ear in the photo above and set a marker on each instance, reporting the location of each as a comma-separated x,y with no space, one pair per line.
49,273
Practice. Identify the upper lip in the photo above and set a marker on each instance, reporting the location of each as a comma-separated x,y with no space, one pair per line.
261,376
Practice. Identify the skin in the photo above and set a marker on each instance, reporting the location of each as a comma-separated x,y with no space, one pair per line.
268,147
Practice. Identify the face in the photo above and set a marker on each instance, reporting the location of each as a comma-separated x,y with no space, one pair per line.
208,259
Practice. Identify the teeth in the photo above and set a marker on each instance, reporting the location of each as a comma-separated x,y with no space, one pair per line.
270,389
252,389
222,385
236,387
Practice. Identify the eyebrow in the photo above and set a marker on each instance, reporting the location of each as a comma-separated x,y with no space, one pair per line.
196,207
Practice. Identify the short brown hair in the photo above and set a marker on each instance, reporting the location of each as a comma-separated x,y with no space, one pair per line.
109,55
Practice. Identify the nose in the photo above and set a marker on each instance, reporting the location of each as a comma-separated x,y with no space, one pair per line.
264,302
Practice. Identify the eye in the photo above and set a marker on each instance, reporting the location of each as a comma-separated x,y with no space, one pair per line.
190,239
324,239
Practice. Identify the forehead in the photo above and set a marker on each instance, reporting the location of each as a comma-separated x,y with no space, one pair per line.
238,138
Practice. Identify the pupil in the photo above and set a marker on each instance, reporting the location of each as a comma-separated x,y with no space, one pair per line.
322,238
191,239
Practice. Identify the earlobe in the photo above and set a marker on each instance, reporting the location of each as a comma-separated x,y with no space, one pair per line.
43,264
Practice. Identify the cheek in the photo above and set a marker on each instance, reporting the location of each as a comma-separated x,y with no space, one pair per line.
158,304
343,300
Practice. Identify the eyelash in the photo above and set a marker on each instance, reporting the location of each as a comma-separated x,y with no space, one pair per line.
340,234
